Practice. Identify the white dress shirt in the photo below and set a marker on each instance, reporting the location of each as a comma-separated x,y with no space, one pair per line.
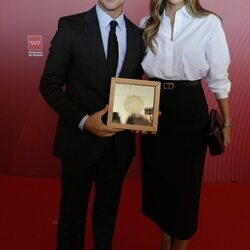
121,33
198,50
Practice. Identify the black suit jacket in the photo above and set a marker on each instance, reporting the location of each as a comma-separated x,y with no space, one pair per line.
75,82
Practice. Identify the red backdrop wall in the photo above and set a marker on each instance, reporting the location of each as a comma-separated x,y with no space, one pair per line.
27,124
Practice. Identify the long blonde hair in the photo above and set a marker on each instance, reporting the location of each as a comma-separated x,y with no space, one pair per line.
157,8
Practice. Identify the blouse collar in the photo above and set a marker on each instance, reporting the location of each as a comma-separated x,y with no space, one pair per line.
183,10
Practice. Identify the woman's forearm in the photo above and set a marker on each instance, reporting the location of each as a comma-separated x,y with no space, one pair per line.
224,110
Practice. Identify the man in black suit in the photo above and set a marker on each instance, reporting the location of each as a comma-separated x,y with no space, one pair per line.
90,151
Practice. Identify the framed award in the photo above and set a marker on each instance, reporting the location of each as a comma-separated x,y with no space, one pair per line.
134,104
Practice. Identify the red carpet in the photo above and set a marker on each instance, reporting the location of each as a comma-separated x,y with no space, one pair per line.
28,214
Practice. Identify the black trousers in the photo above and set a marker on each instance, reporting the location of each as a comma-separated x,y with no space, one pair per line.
107,175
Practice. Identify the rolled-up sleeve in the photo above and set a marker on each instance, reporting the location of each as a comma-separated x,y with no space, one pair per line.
218,57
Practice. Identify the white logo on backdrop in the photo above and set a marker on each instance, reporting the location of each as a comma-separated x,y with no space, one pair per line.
35,45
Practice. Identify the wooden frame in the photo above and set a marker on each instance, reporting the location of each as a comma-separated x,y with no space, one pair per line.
134,104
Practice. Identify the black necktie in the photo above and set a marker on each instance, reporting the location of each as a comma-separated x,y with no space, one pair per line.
112,56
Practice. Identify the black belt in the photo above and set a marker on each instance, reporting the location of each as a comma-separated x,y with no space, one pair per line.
171,84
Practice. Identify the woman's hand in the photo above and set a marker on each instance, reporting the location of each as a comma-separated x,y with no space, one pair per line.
146,132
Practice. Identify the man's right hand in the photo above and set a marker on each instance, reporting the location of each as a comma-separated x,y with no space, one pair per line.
95,125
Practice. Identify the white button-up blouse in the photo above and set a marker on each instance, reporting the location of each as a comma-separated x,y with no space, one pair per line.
198,50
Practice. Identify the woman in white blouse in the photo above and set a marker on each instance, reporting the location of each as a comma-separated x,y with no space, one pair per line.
184,44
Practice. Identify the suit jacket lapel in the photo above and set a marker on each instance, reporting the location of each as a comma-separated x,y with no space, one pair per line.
130,49
93,32
95,40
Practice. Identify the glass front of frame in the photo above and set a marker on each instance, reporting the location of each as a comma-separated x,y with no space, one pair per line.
134,104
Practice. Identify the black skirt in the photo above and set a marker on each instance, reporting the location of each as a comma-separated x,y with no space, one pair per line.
173,160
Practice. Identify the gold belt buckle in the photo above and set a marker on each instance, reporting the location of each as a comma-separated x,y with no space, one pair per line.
168,85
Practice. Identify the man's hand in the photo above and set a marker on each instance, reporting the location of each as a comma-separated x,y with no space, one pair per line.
95,125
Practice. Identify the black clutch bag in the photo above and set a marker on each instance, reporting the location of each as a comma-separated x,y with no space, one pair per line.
215,134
